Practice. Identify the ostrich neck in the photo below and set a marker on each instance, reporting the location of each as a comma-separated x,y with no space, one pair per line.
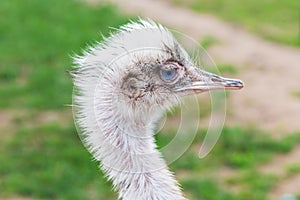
130,159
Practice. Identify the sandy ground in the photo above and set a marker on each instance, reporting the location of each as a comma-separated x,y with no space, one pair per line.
271,73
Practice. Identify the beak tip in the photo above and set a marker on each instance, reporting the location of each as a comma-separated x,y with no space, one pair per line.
234,84
241,84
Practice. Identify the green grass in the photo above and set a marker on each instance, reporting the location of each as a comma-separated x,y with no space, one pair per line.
55,165
49,162
242,150
208,41
256,185
237,147
296,94
293,169
274,20
227,69
37,39
205,189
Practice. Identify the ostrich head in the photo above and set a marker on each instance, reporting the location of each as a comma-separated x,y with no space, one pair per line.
123,85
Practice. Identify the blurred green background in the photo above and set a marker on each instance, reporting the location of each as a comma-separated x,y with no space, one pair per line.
41,156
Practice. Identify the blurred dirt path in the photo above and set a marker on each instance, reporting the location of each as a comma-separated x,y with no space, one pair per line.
288,183
271,72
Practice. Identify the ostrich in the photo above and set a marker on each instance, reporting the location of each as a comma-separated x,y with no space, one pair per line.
122,87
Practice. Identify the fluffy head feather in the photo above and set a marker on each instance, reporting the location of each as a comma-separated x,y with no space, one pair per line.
122,86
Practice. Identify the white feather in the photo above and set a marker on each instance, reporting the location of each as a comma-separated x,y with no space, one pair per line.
114,132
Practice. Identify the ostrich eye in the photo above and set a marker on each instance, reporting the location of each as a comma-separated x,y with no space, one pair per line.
168,73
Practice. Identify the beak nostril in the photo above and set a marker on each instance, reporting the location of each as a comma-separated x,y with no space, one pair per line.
215,79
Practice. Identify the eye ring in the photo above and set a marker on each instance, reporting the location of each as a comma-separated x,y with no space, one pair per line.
168,73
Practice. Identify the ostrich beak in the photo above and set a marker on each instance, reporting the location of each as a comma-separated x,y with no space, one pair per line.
204,81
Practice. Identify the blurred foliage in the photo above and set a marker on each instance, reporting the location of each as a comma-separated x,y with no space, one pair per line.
49,161
293,169
241,150
55,165
227,69
37,40
244,148
208,41
205,189
296,94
